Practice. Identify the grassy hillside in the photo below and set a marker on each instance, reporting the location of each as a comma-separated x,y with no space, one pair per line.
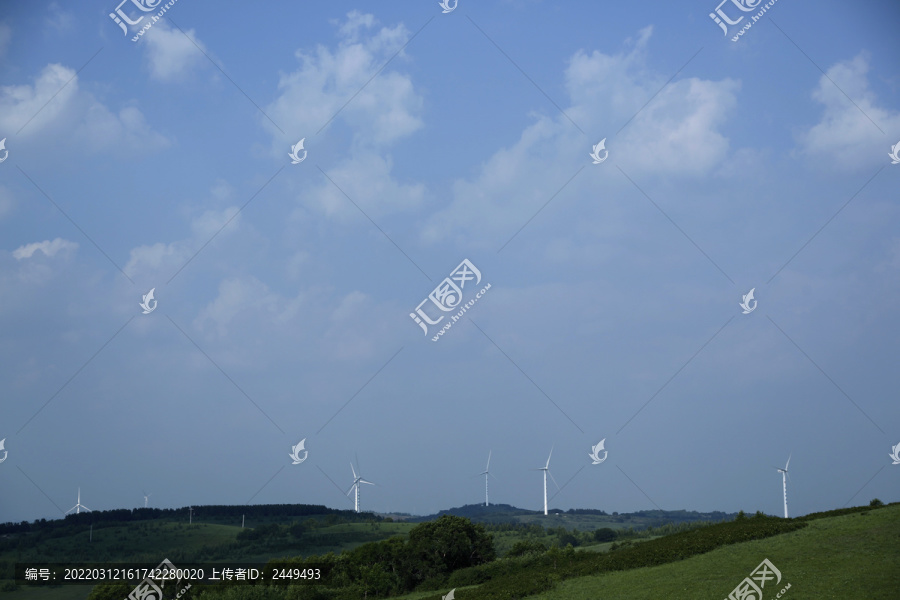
851,556
849,553
150,541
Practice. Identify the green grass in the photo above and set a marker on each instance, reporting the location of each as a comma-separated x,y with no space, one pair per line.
851,556
151,541
848,556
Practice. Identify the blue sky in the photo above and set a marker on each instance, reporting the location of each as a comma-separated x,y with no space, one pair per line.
285,290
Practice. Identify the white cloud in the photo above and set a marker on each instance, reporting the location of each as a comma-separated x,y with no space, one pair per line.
59,19
675,135
846,137
56,100
210,222
50,249
386,110
380,112
171,56
154,258
366,178
237,296
21,103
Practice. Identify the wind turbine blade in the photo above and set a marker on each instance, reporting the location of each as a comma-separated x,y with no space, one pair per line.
488,467
353,470
788,462
548,458
554,480
364,481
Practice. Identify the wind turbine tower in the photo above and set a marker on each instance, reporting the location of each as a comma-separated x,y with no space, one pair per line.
146,497
784,473
357,479
486,473
546,470
78,505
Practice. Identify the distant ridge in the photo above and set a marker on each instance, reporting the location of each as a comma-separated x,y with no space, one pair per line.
493,514
505,513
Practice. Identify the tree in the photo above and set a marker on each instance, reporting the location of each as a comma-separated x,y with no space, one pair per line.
440,547
526,547
604,535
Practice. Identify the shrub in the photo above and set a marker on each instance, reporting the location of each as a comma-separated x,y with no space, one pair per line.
467,576
526,547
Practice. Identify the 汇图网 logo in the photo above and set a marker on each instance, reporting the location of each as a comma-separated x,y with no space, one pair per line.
296,450
595,452
723,20
123,20
447,297
751,588
295,153
148,303
746,299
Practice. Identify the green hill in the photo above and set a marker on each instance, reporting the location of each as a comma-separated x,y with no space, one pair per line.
581,519
842,554
847,553
854,556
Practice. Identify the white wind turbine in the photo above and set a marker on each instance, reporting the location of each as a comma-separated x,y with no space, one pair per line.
146,497
486,473
78,506
784,473
357,479
546,470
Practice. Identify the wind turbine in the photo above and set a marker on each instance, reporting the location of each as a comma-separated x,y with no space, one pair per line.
546,470
486,472
78,506
784,473
146,497
357,479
